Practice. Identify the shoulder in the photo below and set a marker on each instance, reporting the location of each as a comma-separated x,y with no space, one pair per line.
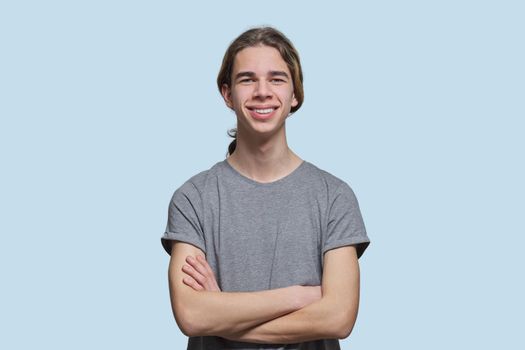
197,184
328,181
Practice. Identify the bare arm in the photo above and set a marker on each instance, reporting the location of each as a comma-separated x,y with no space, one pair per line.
331,317
202,313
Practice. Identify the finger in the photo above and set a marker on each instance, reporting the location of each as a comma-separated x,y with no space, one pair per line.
201,265
211,281
194,274
192,283
196,265
204,262
208,272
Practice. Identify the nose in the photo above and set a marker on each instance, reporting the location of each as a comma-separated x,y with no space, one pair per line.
262,90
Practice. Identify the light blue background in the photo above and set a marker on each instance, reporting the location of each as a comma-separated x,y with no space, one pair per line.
108,106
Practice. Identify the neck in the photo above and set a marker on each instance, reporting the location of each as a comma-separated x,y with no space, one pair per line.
263,159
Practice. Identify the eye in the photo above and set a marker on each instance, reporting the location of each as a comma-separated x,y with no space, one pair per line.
278,81
246,81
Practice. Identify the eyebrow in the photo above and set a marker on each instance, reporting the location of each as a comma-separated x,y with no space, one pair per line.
272,73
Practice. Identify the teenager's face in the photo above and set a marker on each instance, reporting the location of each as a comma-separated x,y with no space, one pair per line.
261,91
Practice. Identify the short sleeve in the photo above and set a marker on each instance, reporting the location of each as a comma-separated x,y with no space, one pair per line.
184,218
345,224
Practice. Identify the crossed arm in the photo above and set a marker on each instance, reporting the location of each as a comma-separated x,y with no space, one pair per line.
285,315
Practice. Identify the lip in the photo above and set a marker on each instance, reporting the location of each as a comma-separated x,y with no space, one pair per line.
259,116
261,106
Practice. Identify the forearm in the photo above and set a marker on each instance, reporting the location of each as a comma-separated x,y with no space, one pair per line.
319,320
221,313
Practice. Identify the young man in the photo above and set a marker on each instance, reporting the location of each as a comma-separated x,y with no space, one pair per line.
264,245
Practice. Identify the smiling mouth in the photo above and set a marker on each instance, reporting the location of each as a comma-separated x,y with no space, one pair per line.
262,113
263,110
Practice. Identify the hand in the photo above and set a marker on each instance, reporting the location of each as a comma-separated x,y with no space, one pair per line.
307,295
199,274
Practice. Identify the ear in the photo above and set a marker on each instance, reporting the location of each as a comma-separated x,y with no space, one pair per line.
227,95
294,101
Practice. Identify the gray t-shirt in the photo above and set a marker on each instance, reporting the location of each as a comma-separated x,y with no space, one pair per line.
260,236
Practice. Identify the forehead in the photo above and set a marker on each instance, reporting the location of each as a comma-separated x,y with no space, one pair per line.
259,59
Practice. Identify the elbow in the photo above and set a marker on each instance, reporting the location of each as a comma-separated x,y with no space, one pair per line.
186,310
188,316
343,333
345,322
185,326
188,329
188,325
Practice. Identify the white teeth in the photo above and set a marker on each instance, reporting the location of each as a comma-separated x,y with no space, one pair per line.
264,111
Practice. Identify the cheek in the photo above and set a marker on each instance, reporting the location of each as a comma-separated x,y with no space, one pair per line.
287,94
237,99
239,96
